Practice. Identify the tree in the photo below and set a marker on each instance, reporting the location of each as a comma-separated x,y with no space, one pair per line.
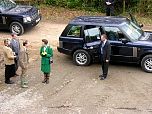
124,6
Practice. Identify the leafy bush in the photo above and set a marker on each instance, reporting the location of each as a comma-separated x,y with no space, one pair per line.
137,6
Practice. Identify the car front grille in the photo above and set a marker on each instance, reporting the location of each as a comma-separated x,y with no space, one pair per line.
34,15
150,37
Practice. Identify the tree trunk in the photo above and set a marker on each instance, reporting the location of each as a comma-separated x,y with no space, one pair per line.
124,6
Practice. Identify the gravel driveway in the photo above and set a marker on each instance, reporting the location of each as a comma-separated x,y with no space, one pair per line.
74,89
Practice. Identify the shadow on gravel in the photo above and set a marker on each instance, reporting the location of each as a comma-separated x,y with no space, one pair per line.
8,32
68,59
133,65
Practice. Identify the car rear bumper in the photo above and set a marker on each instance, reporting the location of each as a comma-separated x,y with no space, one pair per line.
64,51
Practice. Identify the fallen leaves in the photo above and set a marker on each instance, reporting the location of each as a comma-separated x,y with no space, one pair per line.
62,15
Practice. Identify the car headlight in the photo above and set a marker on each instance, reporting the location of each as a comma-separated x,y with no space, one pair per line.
38,12
27,19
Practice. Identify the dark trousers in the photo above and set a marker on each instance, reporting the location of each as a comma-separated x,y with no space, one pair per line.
9,72
46,74
16,64
105,66
109,10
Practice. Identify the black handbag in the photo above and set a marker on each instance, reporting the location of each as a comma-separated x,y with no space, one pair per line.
51,60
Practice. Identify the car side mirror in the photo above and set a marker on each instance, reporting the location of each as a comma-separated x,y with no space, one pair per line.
125,41
141,25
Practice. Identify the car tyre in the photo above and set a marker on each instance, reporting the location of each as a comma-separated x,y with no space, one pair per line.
146,63
81,58
17,28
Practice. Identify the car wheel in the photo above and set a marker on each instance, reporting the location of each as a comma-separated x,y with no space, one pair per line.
81,58
146,63
17,28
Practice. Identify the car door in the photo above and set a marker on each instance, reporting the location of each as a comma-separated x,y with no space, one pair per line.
3,24
122,49
1,20
71,38
92,39
92,35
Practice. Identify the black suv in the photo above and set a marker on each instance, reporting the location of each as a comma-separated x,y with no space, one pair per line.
17,18
129,43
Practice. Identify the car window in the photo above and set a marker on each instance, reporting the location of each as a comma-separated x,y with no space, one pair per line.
114,34
92,34
2,5
75,31
7,4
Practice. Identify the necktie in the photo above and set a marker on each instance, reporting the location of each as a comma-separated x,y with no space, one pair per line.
102,48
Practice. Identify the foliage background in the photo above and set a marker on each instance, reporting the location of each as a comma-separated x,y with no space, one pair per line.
135,6
53,9
143,7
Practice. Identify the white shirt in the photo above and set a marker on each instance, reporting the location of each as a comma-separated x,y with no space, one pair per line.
104,42
45,48
24,48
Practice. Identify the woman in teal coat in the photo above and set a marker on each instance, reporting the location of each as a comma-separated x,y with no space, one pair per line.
46,53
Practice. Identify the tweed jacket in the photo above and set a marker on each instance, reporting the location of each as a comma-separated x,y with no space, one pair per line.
23,58
8,55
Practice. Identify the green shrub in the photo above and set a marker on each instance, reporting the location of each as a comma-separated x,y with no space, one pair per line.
134,6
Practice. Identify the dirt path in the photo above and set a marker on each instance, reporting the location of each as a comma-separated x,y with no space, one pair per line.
73,89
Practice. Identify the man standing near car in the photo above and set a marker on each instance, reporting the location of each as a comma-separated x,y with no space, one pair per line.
109,7
15,45
23,62
105,51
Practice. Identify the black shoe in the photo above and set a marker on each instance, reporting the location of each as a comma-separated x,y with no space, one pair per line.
16,74
102,78
44,81
47,81
9,82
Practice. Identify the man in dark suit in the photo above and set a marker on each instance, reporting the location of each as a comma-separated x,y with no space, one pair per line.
15,45
105,51
109,7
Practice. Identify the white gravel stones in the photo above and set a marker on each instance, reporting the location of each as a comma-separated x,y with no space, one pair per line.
26,101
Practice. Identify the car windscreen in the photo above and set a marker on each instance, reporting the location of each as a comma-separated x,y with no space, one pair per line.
132,30
7,4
